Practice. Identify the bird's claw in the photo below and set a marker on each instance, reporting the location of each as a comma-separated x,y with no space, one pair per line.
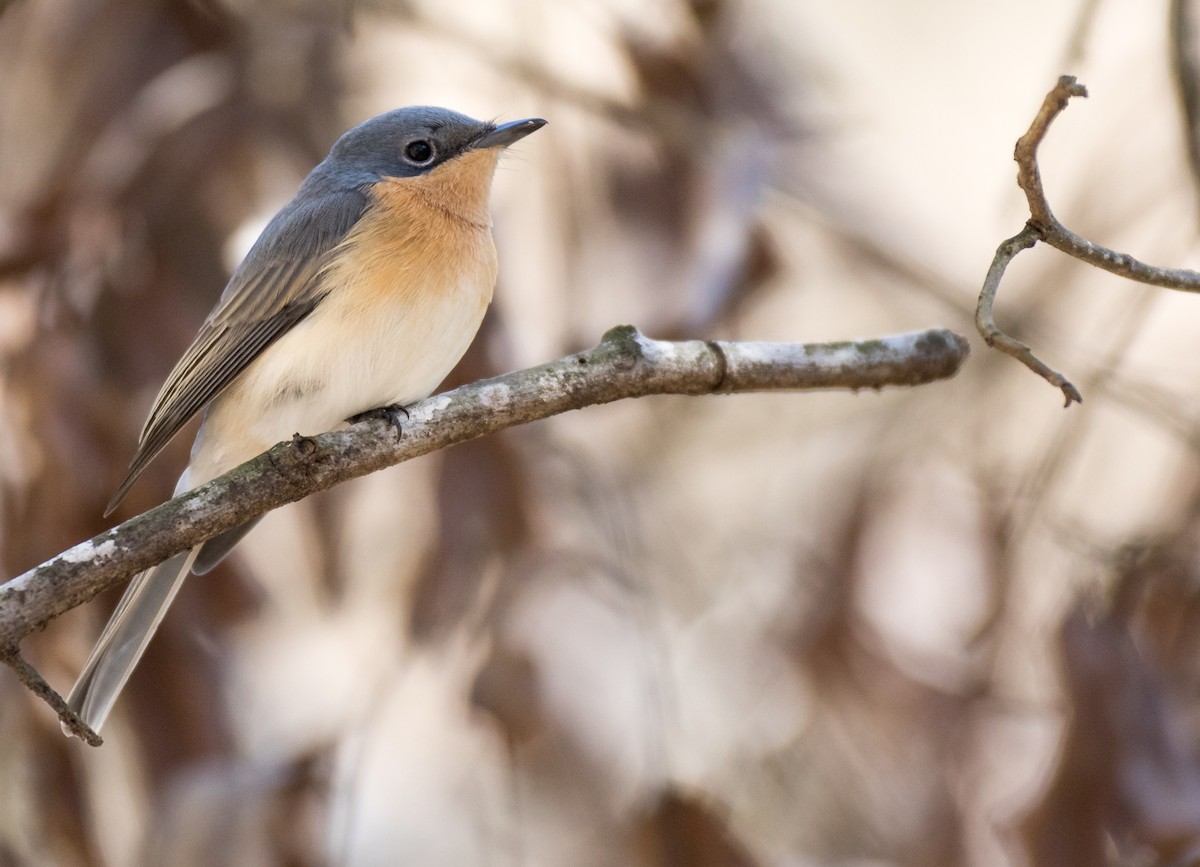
390,413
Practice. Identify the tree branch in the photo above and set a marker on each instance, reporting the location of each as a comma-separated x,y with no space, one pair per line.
1044,226
625,364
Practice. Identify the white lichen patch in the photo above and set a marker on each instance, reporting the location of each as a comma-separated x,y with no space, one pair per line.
657,351
426,409
760,353
496,394
86,552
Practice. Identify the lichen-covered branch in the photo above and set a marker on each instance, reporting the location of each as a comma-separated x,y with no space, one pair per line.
625,364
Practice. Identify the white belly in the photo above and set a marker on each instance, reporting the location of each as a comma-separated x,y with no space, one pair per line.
343,359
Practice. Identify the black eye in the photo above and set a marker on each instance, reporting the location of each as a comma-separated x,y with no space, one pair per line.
419,151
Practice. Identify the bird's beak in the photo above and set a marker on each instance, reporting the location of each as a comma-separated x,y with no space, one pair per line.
507,133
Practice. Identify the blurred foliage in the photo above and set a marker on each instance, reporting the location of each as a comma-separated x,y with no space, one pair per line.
944,626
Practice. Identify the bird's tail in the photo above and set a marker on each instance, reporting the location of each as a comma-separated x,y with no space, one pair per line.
126,636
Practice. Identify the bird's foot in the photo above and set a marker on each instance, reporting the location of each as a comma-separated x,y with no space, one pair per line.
390,413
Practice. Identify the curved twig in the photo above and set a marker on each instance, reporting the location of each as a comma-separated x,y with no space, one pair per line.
996,338
1044,226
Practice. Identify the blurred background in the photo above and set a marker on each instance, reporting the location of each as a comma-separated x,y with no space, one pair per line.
949,625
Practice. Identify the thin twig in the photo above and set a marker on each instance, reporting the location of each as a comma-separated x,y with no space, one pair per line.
1028,176
996,338
625,364
1044,226
36,684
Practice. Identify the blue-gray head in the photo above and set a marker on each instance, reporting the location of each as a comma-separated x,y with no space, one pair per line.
412,141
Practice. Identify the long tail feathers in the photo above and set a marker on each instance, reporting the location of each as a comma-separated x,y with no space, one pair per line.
126,636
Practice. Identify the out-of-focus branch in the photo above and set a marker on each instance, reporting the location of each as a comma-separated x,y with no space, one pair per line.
625,364
1044,226
1185,66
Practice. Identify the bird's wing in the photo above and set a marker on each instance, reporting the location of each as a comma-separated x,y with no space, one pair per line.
276,286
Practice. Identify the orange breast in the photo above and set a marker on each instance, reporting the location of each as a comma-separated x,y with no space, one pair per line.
429,234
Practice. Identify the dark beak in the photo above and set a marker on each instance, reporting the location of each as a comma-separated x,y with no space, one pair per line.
507,133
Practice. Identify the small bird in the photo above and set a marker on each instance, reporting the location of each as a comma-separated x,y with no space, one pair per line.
359,296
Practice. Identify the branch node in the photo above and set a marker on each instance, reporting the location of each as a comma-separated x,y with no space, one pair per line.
722,360
625,342
304,445
621,336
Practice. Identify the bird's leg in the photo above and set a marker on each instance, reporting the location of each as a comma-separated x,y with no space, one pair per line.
390,413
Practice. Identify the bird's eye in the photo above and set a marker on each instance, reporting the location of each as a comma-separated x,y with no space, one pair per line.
419,152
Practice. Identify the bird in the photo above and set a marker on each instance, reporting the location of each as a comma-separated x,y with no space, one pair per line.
358,297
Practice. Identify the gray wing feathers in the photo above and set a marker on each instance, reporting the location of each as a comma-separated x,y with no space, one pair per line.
277,285
216,358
